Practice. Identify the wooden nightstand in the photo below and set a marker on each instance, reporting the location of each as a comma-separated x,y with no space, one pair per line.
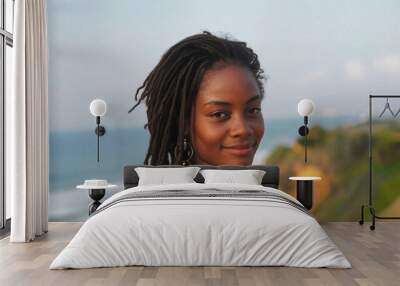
304,190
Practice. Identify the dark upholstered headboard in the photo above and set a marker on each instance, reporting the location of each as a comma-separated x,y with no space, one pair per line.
270,179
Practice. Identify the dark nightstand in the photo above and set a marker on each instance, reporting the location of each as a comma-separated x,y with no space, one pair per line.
304,190
97,190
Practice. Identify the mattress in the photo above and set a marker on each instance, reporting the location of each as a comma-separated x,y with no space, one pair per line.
197,224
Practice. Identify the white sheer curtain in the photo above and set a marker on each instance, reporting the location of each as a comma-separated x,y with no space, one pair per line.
27,117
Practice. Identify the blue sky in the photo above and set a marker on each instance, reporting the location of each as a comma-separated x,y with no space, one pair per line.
333,52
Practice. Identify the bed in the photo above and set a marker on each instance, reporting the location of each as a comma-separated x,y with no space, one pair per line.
201,223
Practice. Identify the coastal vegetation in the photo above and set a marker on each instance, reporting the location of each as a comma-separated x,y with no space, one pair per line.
340,157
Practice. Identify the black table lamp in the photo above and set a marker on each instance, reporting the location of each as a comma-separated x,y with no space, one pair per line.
98,108
305,107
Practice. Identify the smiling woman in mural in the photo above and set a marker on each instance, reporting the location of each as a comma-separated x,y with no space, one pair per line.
204,103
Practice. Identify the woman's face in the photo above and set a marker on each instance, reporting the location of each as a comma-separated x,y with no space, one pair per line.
227,121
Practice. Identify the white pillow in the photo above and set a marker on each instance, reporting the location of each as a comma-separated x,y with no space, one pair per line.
162,176
249,177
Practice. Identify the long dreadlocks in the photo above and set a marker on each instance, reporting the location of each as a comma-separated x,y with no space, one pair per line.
171,87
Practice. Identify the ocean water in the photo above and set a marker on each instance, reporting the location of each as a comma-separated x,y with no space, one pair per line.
73,158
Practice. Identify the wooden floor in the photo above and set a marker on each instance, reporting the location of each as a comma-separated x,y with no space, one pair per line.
374,255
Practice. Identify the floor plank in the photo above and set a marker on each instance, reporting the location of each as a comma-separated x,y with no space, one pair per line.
374,255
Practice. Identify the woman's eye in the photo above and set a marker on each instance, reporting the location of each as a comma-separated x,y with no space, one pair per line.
255,110
220,115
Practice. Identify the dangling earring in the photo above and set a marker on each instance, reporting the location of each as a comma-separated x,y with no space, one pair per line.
187,151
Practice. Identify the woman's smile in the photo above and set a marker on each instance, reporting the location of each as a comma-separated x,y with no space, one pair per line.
240,151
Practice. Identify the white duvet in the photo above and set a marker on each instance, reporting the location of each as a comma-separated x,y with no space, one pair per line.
200,231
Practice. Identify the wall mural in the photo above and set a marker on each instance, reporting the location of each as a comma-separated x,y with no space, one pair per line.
328,52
